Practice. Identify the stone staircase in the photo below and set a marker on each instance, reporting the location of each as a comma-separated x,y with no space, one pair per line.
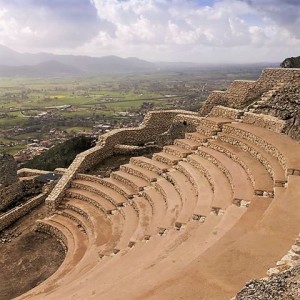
196,221
264,98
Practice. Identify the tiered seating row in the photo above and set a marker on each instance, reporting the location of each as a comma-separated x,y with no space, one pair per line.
257,173
240,184
269,161
279,146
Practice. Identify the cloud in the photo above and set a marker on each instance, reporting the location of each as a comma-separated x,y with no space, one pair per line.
199,30
174,22
284,13
48,24
170,28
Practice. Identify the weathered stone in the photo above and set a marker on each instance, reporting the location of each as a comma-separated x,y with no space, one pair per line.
296,249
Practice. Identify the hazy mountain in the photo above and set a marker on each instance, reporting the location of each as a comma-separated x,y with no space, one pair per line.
50,68
190,66
14,63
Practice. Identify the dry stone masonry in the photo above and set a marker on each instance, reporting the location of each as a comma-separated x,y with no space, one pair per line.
242,93
10,186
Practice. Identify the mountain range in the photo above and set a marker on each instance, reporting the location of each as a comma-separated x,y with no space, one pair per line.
13,63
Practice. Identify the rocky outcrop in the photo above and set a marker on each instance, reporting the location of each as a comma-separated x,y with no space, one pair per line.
285,105
281,286
291,62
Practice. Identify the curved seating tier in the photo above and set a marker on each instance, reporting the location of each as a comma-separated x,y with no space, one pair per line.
240,183
278,145
270,162
262,181
221,186
101,230
196,221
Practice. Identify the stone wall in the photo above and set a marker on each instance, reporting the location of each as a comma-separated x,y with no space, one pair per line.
10,187
9,194
260,120
30,187
241,93
182,123
25,172
14,214
154,125
8,170
26,186
215,98
264,121
135,150
225,112
284,103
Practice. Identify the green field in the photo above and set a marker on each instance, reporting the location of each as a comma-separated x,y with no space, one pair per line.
34,104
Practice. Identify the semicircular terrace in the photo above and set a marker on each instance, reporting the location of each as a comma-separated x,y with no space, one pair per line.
215,208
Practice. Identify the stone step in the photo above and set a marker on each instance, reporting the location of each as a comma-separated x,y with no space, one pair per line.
136,183
129,228
261,180
73,240
270,162
149,164
214,123
79,237
109,248
282,147
111,183
106,192
202,188
98,201
177,151
98,220
81,222
173,203
187,144
120,187
187,194
225,113
196,137
223,195
159,208
138,171
166,158
146,226
207,131
240,183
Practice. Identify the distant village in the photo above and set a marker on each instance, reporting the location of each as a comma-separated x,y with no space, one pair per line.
49,127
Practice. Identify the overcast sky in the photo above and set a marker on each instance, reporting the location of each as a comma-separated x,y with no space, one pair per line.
156,30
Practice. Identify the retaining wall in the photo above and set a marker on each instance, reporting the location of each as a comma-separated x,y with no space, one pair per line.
8,170
264,121
25,172
259,120
242,92
14,214
225,112
153,126
9,194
